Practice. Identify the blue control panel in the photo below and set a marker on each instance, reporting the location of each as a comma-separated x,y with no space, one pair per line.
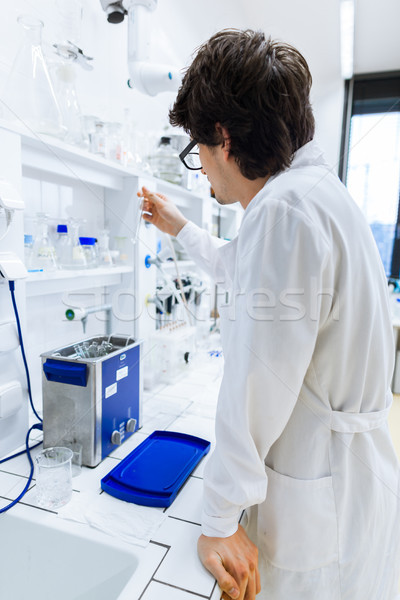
120,397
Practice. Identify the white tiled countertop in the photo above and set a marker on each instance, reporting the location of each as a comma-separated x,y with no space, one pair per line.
169,568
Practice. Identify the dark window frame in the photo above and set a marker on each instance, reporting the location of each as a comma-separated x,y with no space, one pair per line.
367,94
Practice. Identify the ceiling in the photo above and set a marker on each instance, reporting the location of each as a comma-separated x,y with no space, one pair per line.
313,26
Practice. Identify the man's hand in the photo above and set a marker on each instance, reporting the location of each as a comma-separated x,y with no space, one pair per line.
234,563
161,212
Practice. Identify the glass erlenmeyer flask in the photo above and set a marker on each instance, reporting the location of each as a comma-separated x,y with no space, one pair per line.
44,254
28,97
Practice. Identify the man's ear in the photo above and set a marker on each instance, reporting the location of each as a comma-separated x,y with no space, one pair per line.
226,139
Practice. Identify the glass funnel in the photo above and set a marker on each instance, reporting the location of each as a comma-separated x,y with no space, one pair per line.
28,97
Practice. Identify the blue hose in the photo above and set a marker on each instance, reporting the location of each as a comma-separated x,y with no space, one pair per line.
28,379
27,450
36,425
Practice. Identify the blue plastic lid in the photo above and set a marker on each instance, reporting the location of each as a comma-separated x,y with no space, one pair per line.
87,241
62,229
28,238
154,472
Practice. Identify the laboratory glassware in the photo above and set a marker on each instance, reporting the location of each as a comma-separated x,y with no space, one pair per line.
98,139
65,74
29,98
165,162
89,128
78,255
44,254
64,248
53,477
104,254
113,136
89,250
28,251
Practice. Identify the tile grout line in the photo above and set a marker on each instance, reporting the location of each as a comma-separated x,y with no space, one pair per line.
158,566
184,520
176,587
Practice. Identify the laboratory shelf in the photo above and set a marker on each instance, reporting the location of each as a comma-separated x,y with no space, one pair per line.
79,279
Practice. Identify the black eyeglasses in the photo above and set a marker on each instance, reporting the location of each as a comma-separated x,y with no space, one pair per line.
190,157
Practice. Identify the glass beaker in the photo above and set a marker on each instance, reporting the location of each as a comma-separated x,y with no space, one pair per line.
53,477
29,98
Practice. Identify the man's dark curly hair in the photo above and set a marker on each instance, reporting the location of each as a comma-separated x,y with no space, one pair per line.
258,89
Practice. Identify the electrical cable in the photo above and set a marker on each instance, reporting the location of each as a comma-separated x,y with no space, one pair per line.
36,425
27,450
12,290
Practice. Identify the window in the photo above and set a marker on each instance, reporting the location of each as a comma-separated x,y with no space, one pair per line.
371,159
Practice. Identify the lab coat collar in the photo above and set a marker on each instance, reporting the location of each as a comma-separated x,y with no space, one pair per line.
308,155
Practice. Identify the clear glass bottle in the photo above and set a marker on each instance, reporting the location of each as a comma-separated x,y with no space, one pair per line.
29,97
78,255
98,140
44,254
63,248
89,249
113,141
103,251
165,162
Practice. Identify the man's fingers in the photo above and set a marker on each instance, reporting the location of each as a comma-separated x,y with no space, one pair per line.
251,589
225,581
156,199
258,582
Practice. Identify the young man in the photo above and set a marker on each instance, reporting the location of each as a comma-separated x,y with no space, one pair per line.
302,439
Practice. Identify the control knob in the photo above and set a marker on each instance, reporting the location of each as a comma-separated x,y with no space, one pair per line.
116,438
130,425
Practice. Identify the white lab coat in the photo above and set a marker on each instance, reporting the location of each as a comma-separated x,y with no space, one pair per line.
302,435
